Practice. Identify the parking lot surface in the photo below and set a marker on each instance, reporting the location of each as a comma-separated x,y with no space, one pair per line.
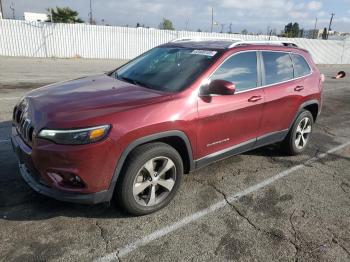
260,205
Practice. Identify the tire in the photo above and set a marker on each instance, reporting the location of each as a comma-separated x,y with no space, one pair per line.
146,167
290,144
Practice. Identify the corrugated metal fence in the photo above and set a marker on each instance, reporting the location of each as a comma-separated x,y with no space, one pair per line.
37,39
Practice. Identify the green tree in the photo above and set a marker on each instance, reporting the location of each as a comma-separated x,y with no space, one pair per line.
291,30
63,15
324,33
244,32
166,24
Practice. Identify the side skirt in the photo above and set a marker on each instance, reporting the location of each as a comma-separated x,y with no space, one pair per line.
241,148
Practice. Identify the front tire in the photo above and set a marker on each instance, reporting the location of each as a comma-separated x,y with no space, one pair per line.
298,136
150,178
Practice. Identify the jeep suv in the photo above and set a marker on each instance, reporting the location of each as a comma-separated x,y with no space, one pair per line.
132,133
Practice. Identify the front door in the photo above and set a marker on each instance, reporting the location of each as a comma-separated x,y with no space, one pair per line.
231,122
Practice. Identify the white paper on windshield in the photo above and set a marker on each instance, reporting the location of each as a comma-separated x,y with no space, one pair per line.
204,52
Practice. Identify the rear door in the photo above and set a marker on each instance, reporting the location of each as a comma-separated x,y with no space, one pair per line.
282,94
227,121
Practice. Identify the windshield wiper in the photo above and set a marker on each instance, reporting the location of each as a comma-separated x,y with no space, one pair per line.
132,81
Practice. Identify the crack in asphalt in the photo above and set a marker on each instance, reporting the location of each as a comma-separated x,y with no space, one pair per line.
102,234
253,225
296,246
335,240
344,184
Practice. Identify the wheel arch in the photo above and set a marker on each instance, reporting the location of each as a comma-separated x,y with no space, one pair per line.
312,106
175,138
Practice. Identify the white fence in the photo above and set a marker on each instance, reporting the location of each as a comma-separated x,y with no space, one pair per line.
36,39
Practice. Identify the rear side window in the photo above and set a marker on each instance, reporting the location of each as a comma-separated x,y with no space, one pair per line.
240,69
278,67
301,67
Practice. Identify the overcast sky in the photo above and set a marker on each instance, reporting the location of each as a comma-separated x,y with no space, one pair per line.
254,15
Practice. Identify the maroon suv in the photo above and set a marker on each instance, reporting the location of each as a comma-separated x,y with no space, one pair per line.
132,133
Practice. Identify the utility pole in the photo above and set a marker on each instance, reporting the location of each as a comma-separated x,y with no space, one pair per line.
1,10
212,20
90,14
230,32
12,7
315,35
330,24
222,28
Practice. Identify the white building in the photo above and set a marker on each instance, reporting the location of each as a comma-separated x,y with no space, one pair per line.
35,17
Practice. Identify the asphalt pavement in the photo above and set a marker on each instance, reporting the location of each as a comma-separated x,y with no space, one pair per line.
258,206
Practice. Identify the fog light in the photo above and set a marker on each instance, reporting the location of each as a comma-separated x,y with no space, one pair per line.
66,179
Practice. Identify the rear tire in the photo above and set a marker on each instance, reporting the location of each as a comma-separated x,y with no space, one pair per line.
299,134
150,178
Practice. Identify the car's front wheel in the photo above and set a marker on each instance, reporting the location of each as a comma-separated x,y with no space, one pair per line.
150,179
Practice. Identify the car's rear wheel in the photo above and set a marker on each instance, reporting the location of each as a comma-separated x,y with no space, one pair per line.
150,179
298,136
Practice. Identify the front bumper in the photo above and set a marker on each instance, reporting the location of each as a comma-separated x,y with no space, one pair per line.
33,167
92,198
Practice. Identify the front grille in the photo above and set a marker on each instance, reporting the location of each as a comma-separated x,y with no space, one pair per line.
23,124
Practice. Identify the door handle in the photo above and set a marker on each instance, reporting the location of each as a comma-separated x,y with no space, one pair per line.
298,88
254,98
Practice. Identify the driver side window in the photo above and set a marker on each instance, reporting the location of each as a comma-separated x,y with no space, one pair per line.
240,69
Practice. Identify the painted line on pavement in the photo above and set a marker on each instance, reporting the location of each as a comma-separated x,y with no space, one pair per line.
204,212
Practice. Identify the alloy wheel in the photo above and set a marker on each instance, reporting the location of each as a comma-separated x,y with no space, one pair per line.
302,133
154,181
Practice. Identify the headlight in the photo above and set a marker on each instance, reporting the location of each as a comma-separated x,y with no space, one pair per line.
76,136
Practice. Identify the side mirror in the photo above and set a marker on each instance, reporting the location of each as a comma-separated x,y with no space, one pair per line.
219,87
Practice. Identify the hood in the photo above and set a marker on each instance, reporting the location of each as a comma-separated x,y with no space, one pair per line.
69,104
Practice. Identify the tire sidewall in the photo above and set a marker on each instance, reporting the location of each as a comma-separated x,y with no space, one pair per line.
294,130
132,170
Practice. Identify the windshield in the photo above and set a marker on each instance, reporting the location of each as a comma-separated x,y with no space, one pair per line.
169,69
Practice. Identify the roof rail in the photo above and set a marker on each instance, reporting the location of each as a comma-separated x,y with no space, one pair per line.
236,42
200,38
264,42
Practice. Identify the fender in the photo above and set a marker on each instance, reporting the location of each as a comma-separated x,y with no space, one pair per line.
303,105
143,140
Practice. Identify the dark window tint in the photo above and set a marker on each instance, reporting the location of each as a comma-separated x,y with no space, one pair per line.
240,69
301,67
278,67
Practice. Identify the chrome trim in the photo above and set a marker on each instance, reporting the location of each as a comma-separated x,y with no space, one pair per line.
61,131
223,151
253,50
264,42
272,133
208,38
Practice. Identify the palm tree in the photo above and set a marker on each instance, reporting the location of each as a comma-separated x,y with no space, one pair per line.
63,15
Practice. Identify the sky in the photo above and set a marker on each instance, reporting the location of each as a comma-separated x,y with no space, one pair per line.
254,15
